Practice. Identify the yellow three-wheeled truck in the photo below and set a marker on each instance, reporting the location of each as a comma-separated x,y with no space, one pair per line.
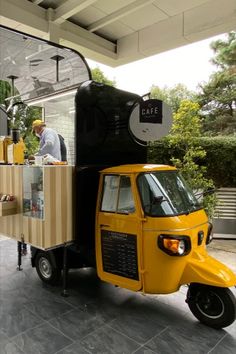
140,225
151,236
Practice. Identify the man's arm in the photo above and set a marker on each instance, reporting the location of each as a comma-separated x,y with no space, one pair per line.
49,140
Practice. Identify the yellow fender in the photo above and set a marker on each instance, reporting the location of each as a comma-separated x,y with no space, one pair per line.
207,270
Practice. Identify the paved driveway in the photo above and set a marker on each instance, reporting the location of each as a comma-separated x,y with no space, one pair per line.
97,317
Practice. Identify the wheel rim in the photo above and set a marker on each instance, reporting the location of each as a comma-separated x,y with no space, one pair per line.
210,304
45,268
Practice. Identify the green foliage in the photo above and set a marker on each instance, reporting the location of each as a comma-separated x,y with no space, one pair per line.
99,76
220,158
186,128
186,123
225,51
172,96
31,143
5,91
217,98
21,117
17,115
185,151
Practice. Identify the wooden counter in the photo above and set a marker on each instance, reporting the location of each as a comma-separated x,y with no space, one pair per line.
56,227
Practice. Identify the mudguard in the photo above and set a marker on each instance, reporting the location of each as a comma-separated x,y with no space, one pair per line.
207,270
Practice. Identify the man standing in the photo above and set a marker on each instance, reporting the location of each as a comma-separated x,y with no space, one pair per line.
49,140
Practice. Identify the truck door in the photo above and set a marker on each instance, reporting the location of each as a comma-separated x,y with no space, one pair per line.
118,233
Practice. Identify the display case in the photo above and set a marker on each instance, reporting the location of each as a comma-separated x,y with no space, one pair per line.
33,192
42,211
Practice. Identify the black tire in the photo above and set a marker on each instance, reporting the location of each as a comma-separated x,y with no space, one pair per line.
47,270
213,306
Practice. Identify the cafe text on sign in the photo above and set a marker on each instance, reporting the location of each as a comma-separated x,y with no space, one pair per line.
150,111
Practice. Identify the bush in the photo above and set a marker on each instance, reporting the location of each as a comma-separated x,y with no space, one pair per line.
220,158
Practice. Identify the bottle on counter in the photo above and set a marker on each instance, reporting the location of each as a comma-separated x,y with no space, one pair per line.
26,158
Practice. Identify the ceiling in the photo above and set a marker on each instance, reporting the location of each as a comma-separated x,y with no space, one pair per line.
115,32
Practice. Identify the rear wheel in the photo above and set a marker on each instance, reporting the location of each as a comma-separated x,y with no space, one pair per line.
47,270
213,306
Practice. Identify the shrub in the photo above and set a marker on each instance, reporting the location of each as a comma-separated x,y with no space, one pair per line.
220,159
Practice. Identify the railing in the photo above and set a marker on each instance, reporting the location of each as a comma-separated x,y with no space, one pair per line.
226,206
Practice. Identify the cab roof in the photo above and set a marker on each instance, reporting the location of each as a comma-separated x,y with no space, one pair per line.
138,168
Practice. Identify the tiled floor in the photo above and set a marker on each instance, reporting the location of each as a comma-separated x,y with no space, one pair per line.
96,317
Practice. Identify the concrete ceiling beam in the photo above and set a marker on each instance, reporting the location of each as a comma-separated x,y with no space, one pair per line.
27,17
36,2
24,14
70,8
124,11
79,39
208,18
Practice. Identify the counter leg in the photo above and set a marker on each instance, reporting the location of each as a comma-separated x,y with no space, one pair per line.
65,273
19,246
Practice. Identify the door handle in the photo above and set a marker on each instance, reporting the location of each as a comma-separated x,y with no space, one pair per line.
104,225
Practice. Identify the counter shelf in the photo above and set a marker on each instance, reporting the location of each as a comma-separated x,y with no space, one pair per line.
44,204
8,208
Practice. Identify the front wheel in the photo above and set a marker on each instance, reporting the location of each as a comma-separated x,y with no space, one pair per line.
213,306
47,271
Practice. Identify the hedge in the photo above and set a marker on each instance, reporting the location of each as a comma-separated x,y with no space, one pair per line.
220,157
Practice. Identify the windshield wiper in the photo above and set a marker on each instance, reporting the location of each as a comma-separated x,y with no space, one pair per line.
204,193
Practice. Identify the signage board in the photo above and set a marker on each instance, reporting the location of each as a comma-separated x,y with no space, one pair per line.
119,254
150,120
150,111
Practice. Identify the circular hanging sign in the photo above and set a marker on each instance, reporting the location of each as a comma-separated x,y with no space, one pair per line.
150,120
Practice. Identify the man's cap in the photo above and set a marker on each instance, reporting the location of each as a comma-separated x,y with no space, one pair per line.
38,123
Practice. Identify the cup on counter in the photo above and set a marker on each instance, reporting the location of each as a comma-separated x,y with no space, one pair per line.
38,161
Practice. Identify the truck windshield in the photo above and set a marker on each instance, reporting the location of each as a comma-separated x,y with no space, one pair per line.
165,193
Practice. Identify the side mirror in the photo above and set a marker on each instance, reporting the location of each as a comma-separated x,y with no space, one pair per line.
157,199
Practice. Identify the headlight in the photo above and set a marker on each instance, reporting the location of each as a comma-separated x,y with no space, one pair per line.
174,245
209,237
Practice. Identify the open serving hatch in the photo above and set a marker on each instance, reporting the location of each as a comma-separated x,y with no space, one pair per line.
44,75
38,68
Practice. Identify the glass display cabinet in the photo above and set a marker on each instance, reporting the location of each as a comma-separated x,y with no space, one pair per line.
33,194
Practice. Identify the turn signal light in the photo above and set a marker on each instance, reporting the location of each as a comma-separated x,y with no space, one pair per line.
174,245
209,234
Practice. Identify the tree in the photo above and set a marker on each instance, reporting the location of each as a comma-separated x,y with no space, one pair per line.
5,91
172,96
217,98
225,52
186,128
98,76
21,116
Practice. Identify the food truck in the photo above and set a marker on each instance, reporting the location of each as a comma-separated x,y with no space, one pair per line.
138,224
